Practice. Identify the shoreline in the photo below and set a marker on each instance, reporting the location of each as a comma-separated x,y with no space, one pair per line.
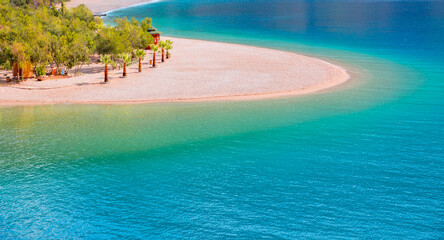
251,75
209,75
259,96
103,6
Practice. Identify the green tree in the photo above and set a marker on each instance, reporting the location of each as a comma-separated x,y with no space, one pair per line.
146,23
162,46
109,42
134,22
40,53
168,47
126,58
78,54
114,64
106,59
140,53
155,49
131,34
82,13
20,2
67,37
7,65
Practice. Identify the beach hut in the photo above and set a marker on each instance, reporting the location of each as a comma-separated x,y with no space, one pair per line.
25,72
156,35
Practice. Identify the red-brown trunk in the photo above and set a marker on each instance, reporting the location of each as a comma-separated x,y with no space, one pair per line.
140,65
106,73
163,55
124,69
168,55
154,60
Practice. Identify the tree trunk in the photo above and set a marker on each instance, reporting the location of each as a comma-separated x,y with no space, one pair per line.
140,64
163,55
106,73
168,54
154,60
124,69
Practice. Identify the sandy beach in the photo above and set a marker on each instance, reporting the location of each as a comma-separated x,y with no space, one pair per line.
101,6
197,71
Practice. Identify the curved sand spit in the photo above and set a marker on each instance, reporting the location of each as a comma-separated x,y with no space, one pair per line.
198,70
101,6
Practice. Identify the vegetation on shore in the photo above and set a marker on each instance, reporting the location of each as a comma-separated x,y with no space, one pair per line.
155,49
106,59
126,59
40,34
168,47
162,46
140,54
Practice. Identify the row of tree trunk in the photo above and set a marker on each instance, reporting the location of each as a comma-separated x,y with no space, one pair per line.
140,64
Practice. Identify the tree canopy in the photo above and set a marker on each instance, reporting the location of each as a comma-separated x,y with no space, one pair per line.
31,31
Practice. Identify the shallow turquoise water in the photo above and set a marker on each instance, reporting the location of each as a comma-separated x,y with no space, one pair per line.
364,160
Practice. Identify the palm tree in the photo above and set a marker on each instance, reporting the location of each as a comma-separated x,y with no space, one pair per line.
141,55
126,58
155,49
106,59
168,47
114,64
162,45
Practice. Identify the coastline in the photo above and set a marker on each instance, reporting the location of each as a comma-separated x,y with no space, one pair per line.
198,71
104,6
215,74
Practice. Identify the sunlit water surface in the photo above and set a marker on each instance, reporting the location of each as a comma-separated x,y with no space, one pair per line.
364,160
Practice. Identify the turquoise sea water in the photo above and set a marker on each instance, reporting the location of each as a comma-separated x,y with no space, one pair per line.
364,160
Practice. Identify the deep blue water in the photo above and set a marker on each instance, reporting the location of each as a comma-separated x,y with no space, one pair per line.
364,160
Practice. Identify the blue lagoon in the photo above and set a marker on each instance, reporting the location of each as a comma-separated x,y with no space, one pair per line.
361,160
